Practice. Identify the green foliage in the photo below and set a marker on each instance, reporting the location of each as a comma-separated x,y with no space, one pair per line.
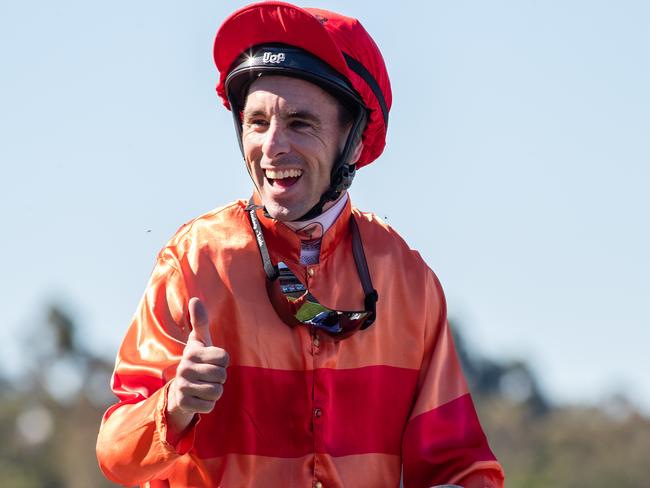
543,445
567,447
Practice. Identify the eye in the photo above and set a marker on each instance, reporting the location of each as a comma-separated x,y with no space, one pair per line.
299,124
257,123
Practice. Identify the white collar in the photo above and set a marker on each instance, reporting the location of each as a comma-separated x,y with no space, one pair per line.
326,219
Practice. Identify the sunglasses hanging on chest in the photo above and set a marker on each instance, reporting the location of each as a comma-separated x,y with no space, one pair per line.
295,305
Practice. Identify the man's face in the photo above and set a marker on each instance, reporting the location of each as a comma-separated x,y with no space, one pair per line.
291,134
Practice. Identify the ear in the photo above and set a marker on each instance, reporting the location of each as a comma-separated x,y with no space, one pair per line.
357,153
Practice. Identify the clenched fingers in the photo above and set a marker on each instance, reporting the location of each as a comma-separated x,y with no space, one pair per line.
187,398
202,373
206,355
209,392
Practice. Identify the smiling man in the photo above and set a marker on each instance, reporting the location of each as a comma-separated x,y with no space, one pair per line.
290,339
292,132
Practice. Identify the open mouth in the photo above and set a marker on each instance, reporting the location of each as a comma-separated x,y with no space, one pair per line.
283,178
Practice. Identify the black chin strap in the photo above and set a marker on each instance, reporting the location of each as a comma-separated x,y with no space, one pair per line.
341,180
342,172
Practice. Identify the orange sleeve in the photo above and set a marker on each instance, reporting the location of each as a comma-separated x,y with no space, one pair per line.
132,445
443,441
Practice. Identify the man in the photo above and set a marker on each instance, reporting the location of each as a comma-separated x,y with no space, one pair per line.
291,340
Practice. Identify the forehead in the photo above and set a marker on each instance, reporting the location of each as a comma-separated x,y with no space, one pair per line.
290,93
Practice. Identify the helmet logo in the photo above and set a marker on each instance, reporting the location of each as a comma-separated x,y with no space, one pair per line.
273,58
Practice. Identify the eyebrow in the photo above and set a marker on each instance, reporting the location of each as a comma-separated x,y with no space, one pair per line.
289,114
253,113
303,114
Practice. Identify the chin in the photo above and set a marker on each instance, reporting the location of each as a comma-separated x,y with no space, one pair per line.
282,213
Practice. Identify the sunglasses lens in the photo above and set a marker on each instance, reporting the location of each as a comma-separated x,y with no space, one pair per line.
328,321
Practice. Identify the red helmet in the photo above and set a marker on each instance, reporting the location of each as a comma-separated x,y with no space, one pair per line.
341,42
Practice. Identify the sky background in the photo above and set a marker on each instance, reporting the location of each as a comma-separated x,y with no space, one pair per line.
517,163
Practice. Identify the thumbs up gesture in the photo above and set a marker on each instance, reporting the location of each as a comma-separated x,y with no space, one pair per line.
200,375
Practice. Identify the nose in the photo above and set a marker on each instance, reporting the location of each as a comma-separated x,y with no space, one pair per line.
276,141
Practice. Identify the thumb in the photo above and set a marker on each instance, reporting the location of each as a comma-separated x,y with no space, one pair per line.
200,323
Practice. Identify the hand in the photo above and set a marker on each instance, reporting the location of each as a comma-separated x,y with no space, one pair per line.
200,375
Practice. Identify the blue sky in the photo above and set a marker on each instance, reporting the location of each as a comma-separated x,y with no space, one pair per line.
517,163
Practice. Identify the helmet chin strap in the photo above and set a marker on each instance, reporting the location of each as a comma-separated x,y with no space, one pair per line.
342,172
341,180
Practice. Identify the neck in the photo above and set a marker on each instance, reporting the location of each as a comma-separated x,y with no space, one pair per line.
323,221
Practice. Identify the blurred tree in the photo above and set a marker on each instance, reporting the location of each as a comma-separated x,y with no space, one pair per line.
542,445
511,379
64,329
49,417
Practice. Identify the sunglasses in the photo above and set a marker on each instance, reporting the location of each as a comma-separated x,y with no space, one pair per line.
295,305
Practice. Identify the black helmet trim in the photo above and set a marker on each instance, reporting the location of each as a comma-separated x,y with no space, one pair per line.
286,60
279,59
361,70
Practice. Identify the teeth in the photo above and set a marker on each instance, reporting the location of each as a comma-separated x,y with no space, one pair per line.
274,174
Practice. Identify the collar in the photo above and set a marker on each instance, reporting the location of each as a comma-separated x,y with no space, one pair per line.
284,243
325,220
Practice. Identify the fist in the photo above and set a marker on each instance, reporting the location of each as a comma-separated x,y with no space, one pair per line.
200,375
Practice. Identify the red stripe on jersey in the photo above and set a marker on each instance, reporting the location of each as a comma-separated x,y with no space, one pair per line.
443,442
285,413
364,410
